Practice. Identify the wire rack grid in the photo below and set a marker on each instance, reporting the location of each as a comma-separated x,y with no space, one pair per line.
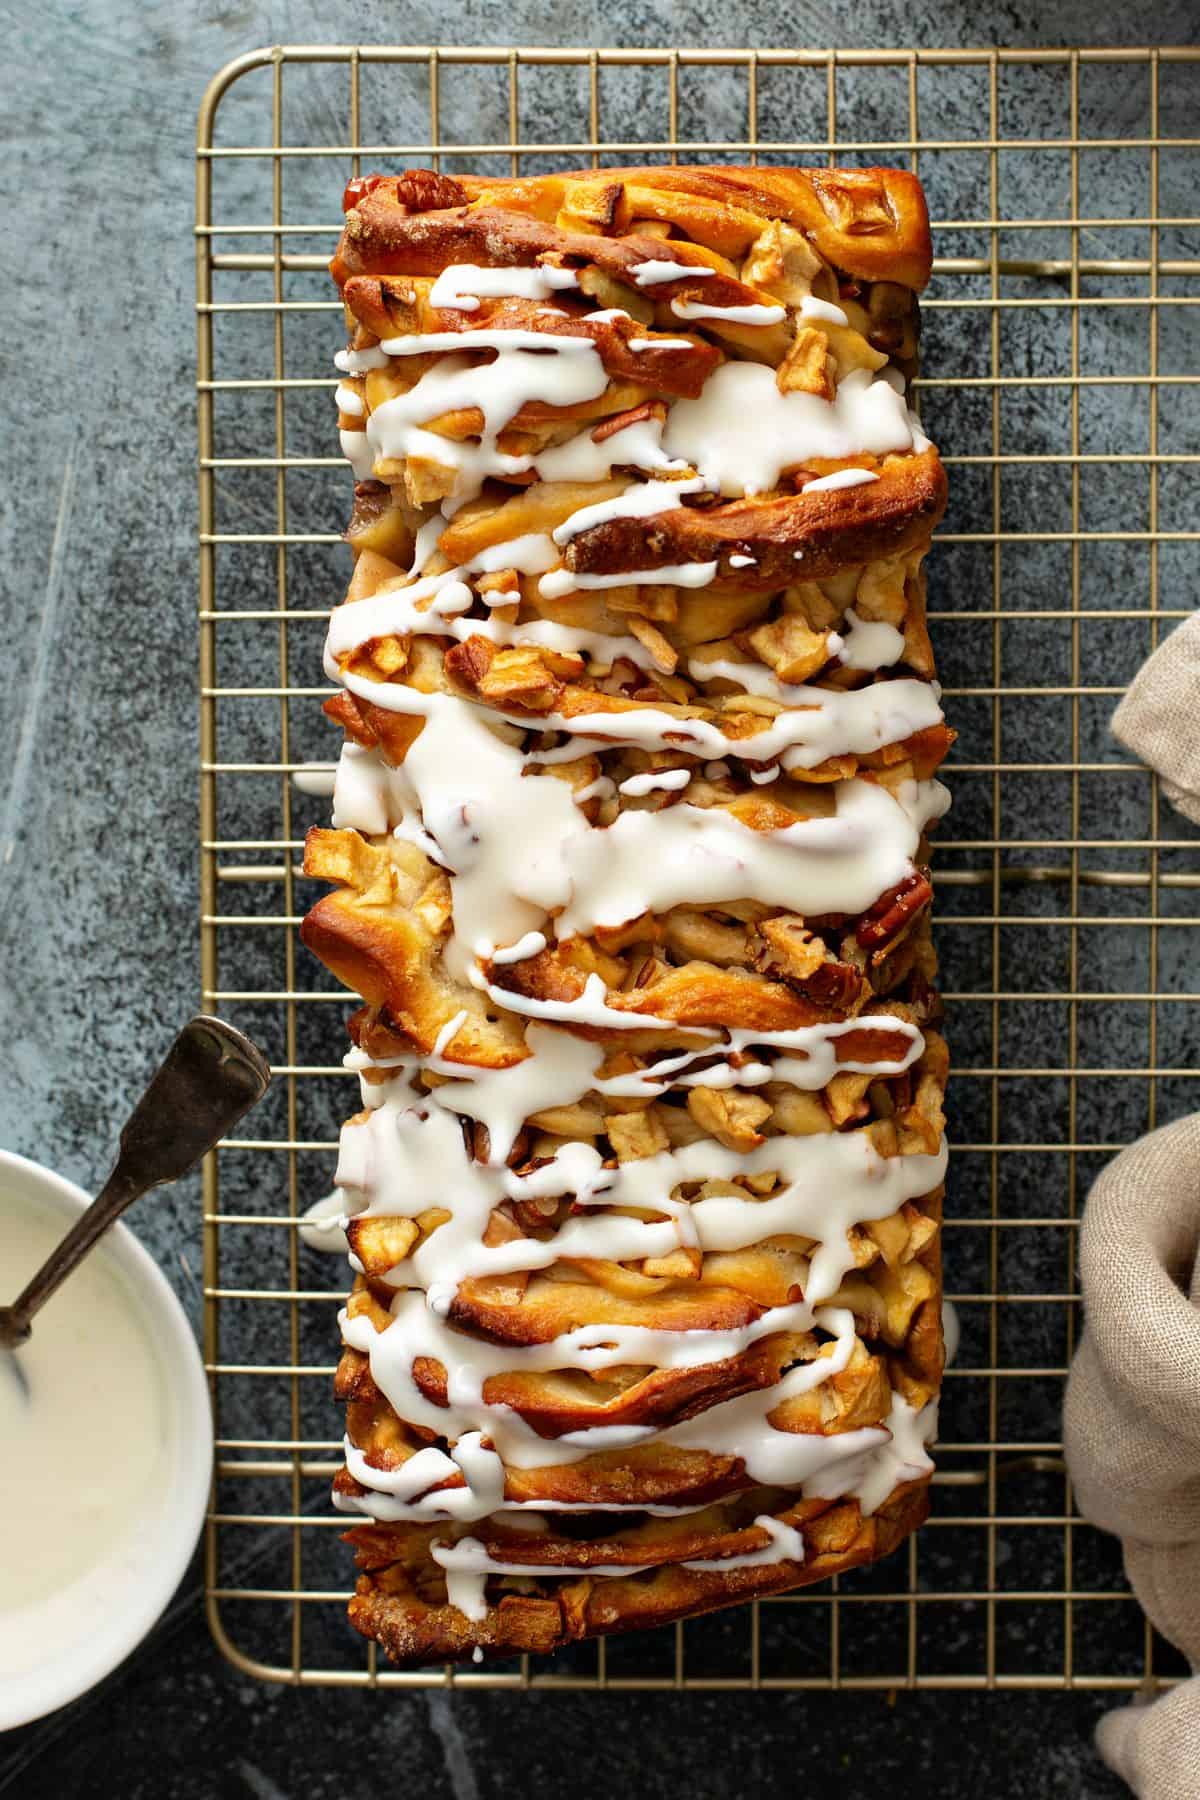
1062,185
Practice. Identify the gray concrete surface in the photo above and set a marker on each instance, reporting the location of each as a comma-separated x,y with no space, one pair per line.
98,956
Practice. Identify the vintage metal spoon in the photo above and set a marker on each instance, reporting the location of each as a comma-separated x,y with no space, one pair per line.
210,1076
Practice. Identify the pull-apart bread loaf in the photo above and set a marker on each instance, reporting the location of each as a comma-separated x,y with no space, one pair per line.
628,867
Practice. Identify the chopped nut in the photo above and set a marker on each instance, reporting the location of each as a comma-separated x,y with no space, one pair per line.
420,190
894,912
635,415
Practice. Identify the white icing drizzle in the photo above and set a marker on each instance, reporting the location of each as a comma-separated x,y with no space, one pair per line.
356,448
697,856
520,849
736,1428
655,271
368,795
561,1068
603,788
841,478
461,285
830,1182
824,310
314,778
903,1457
826,723
670,779
581,458
588,1008
786,1545
869,643
426,607
532,944
361,362
467,1565
742,433
527,867
323,1225
529,365
685,575
734,315
951,1330
532,554
642,501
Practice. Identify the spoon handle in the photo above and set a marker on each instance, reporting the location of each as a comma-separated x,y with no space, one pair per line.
209,1077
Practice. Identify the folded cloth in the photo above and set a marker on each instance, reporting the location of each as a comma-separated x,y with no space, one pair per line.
1132,1422
1157,721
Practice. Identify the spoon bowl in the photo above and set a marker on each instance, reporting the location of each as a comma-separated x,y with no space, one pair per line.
208,1079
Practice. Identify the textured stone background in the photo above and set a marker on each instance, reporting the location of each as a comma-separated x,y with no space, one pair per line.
97,839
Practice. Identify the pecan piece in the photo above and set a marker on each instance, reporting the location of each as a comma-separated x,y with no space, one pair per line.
893,911
835,986
423,191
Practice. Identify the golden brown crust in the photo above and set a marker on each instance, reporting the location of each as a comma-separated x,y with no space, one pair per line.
415,1631
872,223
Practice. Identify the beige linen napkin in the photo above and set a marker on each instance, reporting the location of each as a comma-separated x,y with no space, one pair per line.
1132,1415
1157,720
1132,1426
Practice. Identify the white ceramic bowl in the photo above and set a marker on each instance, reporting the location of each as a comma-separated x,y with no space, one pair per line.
117,1621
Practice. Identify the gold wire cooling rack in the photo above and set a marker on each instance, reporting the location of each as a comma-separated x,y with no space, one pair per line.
1062,185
